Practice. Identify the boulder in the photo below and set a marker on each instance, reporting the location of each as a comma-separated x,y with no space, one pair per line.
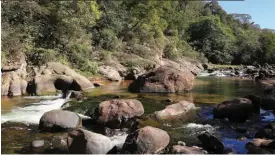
211,143
179,149
260,146
43,84
5,83
147,140
256,101
55,76
180,109
14,74
59,120
81,141
117,112
236,110
13,84
110,73
167,79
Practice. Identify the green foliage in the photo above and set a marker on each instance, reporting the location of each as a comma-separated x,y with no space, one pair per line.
39,56
171,52
84,33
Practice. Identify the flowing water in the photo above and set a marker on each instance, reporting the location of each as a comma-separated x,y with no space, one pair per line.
207,92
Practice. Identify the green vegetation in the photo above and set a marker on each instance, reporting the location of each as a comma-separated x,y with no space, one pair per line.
84,34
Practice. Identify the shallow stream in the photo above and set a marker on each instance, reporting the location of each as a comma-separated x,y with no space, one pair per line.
208,92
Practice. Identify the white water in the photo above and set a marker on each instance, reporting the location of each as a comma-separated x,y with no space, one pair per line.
43,97
31,113
194,128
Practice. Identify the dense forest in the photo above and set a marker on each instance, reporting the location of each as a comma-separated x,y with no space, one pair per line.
83,34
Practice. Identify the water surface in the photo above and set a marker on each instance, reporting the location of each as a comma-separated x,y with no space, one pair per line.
207,92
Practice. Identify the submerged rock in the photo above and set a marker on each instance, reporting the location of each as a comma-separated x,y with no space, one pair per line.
211,143
118,112
167,79
81,141
237,110
180,109
59,120
147,140
179,149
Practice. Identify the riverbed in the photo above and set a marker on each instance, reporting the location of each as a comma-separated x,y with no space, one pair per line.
207,92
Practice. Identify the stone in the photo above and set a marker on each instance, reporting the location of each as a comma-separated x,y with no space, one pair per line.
180,109
38,143
81,141
110,73
59,120
260,146
146,140
179,149
211,143
165,79
116,113
236,110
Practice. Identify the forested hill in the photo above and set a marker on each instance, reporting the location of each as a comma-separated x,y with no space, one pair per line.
83,34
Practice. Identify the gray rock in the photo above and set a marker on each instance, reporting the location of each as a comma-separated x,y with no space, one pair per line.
110,73
147,140
38,143
81,141
180,109
59,120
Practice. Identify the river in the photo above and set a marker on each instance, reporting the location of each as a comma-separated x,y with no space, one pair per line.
207,92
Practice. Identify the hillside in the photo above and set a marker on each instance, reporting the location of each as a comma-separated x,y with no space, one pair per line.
86,35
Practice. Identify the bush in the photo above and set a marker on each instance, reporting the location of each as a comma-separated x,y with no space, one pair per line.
171,52
40,56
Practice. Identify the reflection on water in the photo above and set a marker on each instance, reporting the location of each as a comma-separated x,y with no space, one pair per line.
207,92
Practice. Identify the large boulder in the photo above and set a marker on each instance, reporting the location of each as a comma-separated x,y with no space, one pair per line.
211,143
166,78
55,76
180,109
147,140
117,112
110,73
237,110
81,141
59,120
179,149
13,75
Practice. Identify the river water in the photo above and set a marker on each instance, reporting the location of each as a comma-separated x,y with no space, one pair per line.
207,92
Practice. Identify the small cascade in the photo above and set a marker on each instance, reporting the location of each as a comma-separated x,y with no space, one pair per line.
31,113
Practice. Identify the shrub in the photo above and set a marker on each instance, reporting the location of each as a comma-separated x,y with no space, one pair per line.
171,52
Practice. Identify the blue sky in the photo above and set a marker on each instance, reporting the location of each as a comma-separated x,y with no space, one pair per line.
262,11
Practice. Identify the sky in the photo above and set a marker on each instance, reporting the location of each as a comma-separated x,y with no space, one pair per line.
261,11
